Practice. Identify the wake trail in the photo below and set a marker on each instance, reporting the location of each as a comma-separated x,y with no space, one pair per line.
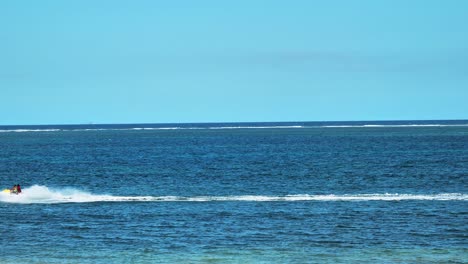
43,195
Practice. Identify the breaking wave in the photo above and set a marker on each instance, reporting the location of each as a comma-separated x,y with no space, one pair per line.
395,126
44,195
29,130
146,128
77,128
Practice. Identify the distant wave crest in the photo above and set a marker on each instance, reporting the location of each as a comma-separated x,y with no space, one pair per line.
66,128
146,128
394,126
28,130
45,195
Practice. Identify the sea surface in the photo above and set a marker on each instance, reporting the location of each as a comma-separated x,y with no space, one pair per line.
296,192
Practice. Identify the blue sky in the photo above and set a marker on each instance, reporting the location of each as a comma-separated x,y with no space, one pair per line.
65,62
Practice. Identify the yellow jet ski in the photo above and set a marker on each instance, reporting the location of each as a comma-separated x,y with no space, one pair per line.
9,191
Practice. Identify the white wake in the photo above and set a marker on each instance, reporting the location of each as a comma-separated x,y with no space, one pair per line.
42,194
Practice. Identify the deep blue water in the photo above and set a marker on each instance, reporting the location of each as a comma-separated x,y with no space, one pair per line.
297,192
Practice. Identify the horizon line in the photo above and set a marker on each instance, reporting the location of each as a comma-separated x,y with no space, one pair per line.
231,122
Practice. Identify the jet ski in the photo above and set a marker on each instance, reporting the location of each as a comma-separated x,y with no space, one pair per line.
9,191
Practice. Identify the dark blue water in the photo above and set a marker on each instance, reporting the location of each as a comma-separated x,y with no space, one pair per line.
300,192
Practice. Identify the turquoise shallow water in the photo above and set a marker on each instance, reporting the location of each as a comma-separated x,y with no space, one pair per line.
236,193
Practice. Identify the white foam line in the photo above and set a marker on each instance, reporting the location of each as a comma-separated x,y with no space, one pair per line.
390,126
42,194
231,127
28,130
254,127
306,197
224,127
145,128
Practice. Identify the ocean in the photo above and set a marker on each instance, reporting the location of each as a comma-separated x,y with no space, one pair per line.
287,192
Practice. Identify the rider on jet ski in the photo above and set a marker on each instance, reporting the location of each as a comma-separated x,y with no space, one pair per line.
16,189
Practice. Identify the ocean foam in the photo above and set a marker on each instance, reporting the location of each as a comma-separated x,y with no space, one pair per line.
395,126
28,130
233,127
145,128
44,195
